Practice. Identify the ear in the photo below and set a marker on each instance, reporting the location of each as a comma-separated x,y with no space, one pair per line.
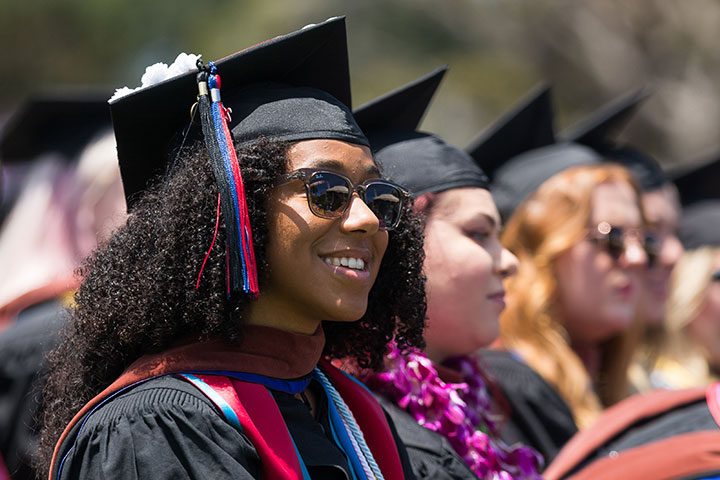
423,203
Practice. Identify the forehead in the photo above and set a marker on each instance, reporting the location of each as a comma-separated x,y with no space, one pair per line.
662,206
465,204
615,203
353,160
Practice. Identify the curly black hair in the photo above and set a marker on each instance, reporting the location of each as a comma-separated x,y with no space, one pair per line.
139,291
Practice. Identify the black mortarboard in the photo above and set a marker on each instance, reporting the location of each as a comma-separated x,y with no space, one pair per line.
60,122
522,175
519,151
699,188
598,130
421,162
527,125
292,87
403,108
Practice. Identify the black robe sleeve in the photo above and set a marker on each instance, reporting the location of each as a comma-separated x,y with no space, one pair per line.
160,430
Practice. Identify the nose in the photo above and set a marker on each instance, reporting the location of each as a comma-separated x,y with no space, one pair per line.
634,255
359,218
508,264
671,251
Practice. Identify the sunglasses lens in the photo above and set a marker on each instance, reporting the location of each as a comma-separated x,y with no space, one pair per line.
652,248
386,201
329,194
615,242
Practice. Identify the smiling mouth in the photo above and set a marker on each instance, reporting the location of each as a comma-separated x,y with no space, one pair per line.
352,263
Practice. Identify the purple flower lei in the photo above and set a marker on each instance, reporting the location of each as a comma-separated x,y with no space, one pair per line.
461,412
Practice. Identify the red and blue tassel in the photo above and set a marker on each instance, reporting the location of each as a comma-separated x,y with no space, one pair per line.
214,118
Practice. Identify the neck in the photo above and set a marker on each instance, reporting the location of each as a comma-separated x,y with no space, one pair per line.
589,354
436,355
266,311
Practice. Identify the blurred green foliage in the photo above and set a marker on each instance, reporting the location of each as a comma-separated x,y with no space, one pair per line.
589,50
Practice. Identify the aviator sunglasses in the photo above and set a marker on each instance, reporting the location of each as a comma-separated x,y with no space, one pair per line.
329,194
614,241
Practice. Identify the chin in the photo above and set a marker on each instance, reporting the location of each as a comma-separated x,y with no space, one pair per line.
346,313
618,323
653,316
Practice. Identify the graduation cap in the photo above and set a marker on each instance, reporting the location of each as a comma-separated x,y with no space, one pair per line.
290,88
403,108
699,188
60,122
527,125
520,151
149,122
54,122
598,130
421,162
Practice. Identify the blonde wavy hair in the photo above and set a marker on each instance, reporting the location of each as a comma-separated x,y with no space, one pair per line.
689,283
550,222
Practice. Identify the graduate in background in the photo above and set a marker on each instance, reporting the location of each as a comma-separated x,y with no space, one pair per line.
689,354
61,152
443,389
661,208
576,227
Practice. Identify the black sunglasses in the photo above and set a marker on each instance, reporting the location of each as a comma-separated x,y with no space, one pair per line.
716,276
614,240
329,194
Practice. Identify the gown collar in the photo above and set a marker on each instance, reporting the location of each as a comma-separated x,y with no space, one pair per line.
263,351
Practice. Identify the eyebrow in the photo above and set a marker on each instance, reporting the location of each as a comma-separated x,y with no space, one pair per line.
332,164
490,219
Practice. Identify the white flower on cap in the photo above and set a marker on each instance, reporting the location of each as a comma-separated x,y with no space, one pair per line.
160,72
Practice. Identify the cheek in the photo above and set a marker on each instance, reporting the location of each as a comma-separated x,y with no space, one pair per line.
457,265
291,230
707,323
380,243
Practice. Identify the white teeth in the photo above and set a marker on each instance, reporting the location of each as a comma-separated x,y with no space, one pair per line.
349,262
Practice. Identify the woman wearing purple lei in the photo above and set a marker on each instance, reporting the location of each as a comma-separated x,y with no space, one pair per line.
443,388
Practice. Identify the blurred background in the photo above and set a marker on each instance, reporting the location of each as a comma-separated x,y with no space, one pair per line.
590,51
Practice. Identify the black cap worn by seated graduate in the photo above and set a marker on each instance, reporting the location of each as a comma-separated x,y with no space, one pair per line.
520,152
292,87
421,162
55,122
59,122
597,132
699,188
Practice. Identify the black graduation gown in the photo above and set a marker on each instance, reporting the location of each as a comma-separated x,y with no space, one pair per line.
22,368
166,429
431,455
538,417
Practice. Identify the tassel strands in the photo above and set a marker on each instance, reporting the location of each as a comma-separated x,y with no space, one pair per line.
223,158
